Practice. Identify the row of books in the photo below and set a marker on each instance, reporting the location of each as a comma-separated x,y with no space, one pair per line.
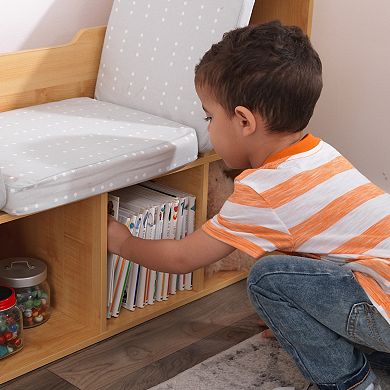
151,211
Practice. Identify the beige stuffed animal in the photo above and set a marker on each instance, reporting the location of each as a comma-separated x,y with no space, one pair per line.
220,187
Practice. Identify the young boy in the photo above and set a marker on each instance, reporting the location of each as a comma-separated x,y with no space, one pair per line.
326,297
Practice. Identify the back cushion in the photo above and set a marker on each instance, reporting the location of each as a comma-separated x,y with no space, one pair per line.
151,49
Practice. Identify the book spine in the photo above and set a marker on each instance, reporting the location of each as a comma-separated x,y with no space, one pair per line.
190,229
165,287
159,286
117,288
122,286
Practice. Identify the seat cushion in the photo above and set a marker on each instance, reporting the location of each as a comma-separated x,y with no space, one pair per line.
151,49
57,153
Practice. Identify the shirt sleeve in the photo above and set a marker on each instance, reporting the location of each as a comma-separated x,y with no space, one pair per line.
248,223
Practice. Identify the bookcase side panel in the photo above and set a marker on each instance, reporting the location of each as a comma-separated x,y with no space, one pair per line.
50,74
290,12
71,239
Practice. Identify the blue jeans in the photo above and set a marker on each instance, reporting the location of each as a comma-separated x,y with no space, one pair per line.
320,315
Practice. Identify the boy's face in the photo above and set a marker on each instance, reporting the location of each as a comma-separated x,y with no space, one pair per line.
223,131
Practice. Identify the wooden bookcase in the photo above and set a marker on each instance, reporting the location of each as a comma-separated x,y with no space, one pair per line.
72,238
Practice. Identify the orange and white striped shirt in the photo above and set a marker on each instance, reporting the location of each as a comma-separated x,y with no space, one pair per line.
308,199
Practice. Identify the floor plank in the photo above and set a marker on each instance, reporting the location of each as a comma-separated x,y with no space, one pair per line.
154,351
38,379
115,359
187,357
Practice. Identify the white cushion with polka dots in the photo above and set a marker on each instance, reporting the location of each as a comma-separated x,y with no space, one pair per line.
150,51
57,153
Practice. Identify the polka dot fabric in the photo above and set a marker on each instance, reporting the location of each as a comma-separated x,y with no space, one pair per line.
56,153
151,49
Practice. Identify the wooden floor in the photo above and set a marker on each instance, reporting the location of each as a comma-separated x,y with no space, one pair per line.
154,351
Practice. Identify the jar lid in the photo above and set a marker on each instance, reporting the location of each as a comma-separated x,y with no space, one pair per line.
20,272
7,297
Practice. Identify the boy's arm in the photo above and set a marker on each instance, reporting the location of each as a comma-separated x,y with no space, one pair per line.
174,256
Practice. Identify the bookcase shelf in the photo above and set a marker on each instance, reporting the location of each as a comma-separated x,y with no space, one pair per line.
128,319
72,238
59,336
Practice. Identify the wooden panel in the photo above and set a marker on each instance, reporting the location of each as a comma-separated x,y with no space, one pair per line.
46,95
202,159
291,12
4,217
72,241
59,336
38,76
10,243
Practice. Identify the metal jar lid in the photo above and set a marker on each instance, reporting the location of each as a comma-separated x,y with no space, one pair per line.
20,272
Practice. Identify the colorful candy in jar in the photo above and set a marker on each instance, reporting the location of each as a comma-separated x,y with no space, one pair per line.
33,302
28,277
11,328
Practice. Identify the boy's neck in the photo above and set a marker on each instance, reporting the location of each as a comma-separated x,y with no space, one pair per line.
269,144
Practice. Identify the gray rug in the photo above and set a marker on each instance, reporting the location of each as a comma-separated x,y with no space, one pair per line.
255,363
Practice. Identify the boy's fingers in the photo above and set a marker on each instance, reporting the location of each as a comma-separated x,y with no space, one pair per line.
267,334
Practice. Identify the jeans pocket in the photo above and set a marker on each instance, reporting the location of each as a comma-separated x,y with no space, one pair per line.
366,326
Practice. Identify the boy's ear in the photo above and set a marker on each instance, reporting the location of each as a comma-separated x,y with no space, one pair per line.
246,120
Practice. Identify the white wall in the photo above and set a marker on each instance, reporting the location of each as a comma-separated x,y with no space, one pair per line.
29,24
353,113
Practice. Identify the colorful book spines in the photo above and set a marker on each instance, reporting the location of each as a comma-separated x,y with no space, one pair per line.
136,286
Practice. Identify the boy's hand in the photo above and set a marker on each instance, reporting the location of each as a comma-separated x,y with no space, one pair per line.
174,256
267,332
117,233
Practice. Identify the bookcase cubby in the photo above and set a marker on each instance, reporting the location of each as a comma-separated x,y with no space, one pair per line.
72,238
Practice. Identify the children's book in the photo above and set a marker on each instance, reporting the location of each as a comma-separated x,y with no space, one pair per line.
112,264
120,287
190,229
112,259
158,236
133,222
140,289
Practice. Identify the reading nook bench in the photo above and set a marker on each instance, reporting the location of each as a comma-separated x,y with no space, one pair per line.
113,108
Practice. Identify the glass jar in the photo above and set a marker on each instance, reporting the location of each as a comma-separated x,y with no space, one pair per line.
11,327
28,277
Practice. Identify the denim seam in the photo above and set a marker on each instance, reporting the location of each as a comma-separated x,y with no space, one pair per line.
362,308
356,384
369,316
290,273
360,382
280,333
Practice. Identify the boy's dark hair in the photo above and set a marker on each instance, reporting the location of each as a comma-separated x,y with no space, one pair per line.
268,68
